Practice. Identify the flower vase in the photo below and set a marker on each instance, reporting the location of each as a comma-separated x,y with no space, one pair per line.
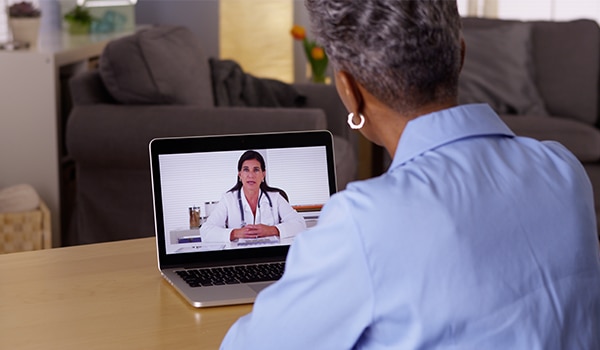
318,78
78,28
317,74
25,30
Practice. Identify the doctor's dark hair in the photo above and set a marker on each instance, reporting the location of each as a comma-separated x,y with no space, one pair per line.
406,53
249,155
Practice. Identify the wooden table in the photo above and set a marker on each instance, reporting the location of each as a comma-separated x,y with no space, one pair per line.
101,296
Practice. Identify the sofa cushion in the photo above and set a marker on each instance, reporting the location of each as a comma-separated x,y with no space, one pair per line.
580,138
498,69
159,65
566,57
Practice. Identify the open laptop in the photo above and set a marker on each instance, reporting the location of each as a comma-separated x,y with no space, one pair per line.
190,176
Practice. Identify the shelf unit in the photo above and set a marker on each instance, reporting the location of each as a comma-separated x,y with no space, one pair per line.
34,106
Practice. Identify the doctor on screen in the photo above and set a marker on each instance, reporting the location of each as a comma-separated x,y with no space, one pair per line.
252,209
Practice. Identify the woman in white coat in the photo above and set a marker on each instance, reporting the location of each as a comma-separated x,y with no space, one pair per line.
251,208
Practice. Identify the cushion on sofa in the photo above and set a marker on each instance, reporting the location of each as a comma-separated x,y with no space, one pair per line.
158,65
566,57
498,69
580,138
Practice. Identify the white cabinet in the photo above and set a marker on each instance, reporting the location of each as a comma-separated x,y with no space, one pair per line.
32,115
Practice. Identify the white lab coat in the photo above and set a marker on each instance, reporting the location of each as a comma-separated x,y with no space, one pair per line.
226,216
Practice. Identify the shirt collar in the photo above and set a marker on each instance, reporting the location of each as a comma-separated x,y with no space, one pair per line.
435,129
262,197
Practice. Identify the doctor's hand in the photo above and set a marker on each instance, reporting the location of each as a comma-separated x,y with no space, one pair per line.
254,231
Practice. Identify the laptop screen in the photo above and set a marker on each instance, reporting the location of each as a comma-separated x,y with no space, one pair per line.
197,204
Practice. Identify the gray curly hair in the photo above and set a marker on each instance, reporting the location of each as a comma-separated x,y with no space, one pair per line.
406,53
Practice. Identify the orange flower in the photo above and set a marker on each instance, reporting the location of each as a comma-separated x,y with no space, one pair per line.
298,32
317,53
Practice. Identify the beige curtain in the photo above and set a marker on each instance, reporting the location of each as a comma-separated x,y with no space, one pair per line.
256,34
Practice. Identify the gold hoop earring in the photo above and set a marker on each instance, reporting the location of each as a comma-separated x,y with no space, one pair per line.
351,121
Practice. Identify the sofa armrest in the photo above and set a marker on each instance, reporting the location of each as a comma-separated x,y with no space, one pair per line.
117,136
88,88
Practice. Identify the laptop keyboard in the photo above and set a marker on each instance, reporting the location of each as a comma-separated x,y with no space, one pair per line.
217,276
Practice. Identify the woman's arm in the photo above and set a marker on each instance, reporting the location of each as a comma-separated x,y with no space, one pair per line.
215,229
291,223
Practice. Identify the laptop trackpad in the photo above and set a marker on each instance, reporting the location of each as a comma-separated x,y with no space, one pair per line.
257,287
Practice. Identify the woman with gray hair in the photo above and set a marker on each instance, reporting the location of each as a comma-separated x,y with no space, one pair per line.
473,239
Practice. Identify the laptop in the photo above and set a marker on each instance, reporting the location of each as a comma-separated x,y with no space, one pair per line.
190,175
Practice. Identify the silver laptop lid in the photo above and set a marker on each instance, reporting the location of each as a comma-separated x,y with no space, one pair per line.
191,174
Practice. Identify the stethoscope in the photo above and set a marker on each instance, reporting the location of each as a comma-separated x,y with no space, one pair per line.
242,207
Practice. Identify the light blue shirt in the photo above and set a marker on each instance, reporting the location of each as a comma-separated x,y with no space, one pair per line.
473,239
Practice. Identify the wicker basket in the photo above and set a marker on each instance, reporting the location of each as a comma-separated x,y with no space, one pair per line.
25,231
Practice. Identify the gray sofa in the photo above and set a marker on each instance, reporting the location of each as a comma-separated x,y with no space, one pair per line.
542,78
157,83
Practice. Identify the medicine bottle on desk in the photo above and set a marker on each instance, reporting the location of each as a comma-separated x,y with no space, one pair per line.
194,217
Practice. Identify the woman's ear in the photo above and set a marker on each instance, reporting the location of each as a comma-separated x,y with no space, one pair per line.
349,92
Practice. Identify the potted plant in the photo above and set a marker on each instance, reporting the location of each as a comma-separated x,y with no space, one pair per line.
315,55
79,20
24,22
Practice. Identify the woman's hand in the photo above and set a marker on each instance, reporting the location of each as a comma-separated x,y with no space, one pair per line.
254,231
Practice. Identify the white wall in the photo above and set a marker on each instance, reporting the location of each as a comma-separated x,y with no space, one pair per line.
3,24
243,40
571,9
557,10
